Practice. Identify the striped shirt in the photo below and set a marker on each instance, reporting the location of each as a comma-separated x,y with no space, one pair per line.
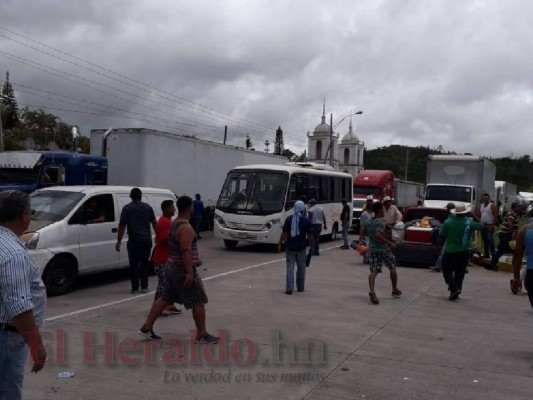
21,286
510,223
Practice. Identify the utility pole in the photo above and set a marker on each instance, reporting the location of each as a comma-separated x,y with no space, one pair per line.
406,162
331,139
1,132
1,129
225,133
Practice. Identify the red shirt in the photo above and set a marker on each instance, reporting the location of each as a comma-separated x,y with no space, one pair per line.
162,229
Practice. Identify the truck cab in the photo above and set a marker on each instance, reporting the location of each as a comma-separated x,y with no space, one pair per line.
28,171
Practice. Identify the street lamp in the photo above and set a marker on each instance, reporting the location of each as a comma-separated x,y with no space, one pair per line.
331,127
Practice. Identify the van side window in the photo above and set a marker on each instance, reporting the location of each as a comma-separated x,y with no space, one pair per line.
96,209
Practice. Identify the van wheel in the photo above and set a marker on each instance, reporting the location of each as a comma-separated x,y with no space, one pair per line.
59,276
230,244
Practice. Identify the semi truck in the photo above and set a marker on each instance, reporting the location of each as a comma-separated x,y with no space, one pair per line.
28,171
381,183
185,165
458,178
505,193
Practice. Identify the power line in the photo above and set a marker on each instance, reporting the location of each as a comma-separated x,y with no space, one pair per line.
145,85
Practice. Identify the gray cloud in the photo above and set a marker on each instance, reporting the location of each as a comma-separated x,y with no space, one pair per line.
452,73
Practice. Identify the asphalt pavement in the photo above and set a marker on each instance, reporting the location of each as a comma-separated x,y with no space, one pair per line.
328,342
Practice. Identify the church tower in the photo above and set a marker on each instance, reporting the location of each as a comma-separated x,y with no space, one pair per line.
318,148
351,152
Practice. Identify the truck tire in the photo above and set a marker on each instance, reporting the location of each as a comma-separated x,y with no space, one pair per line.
230,244
59,276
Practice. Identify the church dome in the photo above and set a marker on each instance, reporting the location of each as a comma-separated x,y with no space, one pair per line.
322,129
350,137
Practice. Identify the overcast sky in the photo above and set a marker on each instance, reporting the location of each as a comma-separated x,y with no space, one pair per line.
455,73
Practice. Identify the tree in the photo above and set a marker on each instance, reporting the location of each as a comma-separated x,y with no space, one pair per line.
249,144
10,109
278,143
267,146
302,157
289,154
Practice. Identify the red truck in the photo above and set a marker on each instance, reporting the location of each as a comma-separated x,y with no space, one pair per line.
381,183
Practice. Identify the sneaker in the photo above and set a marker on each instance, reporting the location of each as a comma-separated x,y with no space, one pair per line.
454,295
396,293
134,291
207,338
345,247
144,290
373,298
149,334
435,269
288,292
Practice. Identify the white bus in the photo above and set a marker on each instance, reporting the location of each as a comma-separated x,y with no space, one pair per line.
256,199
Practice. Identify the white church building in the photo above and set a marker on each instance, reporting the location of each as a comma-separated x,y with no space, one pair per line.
347,154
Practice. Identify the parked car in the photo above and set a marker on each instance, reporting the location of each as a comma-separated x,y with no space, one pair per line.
65,239
418,243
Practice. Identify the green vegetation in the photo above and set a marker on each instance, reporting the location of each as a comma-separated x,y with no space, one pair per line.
396,158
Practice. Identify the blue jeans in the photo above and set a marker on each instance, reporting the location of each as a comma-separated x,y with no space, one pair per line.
316,229
298,258
139,257
13,356
345,227
487,234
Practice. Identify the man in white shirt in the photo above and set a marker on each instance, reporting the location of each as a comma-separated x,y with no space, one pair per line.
391,213
318,221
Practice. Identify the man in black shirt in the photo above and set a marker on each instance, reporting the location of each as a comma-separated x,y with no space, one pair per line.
345,221
137,218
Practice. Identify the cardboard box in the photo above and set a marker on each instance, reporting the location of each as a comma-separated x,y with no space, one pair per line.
422,235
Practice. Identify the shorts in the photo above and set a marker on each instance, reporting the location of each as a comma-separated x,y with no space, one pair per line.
176,292
377,259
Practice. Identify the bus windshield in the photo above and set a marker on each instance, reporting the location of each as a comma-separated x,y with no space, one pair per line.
53,205
18,175
253,192
449,193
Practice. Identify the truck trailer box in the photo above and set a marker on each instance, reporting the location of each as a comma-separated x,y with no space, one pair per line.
184,165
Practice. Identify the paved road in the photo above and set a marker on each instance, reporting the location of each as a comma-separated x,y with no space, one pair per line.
325,343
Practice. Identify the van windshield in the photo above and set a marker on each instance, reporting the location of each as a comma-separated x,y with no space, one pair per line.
53,205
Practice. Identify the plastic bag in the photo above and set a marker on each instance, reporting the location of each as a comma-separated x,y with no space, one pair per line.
362,249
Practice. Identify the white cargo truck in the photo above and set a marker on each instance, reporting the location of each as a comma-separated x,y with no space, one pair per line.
458,178
407,193
506,193
184,165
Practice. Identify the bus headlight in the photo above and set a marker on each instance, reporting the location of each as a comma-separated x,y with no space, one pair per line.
270,224
220,221
31,240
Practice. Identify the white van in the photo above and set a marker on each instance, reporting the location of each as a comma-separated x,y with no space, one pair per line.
65,242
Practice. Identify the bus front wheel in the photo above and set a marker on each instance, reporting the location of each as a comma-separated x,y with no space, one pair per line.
230,244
